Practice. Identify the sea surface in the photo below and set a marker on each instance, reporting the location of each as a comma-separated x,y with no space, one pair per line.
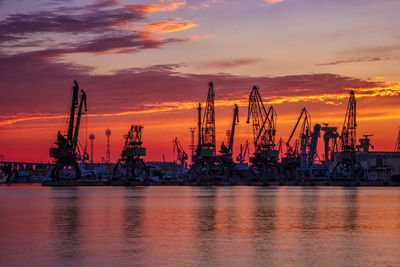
203,226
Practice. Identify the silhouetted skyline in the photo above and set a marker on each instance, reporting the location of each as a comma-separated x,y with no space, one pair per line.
149,63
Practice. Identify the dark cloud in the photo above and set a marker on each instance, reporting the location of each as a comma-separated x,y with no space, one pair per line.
106,3
96,30
96,20
121,44
354,60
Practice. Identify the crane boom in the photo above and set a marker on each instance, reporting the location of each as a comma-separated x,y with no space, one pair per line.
78,118
74,104
241,157
234,121
181,154
304,133
231,134
264,123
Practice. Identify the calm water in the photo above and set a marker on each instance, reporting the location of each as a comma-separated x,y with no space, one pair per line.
175,226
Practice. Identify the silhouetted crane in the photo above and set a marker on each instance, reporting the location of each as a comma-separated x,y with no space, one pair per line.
130,166
305,121
203,167
67,152
227,150
181,156
264,130
347,166
241,157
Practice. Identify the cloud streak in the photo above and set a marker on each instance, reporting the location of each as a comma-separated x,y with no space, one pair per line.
172,25
270,2
224,64
354,60
159,6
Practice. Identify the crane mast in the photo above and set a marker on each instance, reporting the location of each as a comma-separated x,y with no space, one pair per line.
208,126
348,136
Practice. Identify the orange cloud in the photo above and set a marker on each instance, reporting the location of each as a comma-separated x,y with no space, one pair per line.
172,25
273,1
391,90
161,5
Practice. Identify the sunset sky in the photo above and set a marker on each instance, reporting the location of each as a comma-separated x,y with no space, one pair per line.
149,63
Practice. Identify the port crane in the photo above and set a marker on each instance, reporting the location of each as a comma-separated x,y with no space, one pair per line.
227,150
203,169
68,151
224,163
207,167
296,151
347,166
264,163
181,156
292,150
131,167
310,166
241,157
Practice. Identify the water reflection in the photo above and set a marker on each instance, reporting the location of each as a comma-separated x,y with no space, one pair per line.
66,224
182,226
350,209
265,210
133,213
205,203
309,209
308,248
264,220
